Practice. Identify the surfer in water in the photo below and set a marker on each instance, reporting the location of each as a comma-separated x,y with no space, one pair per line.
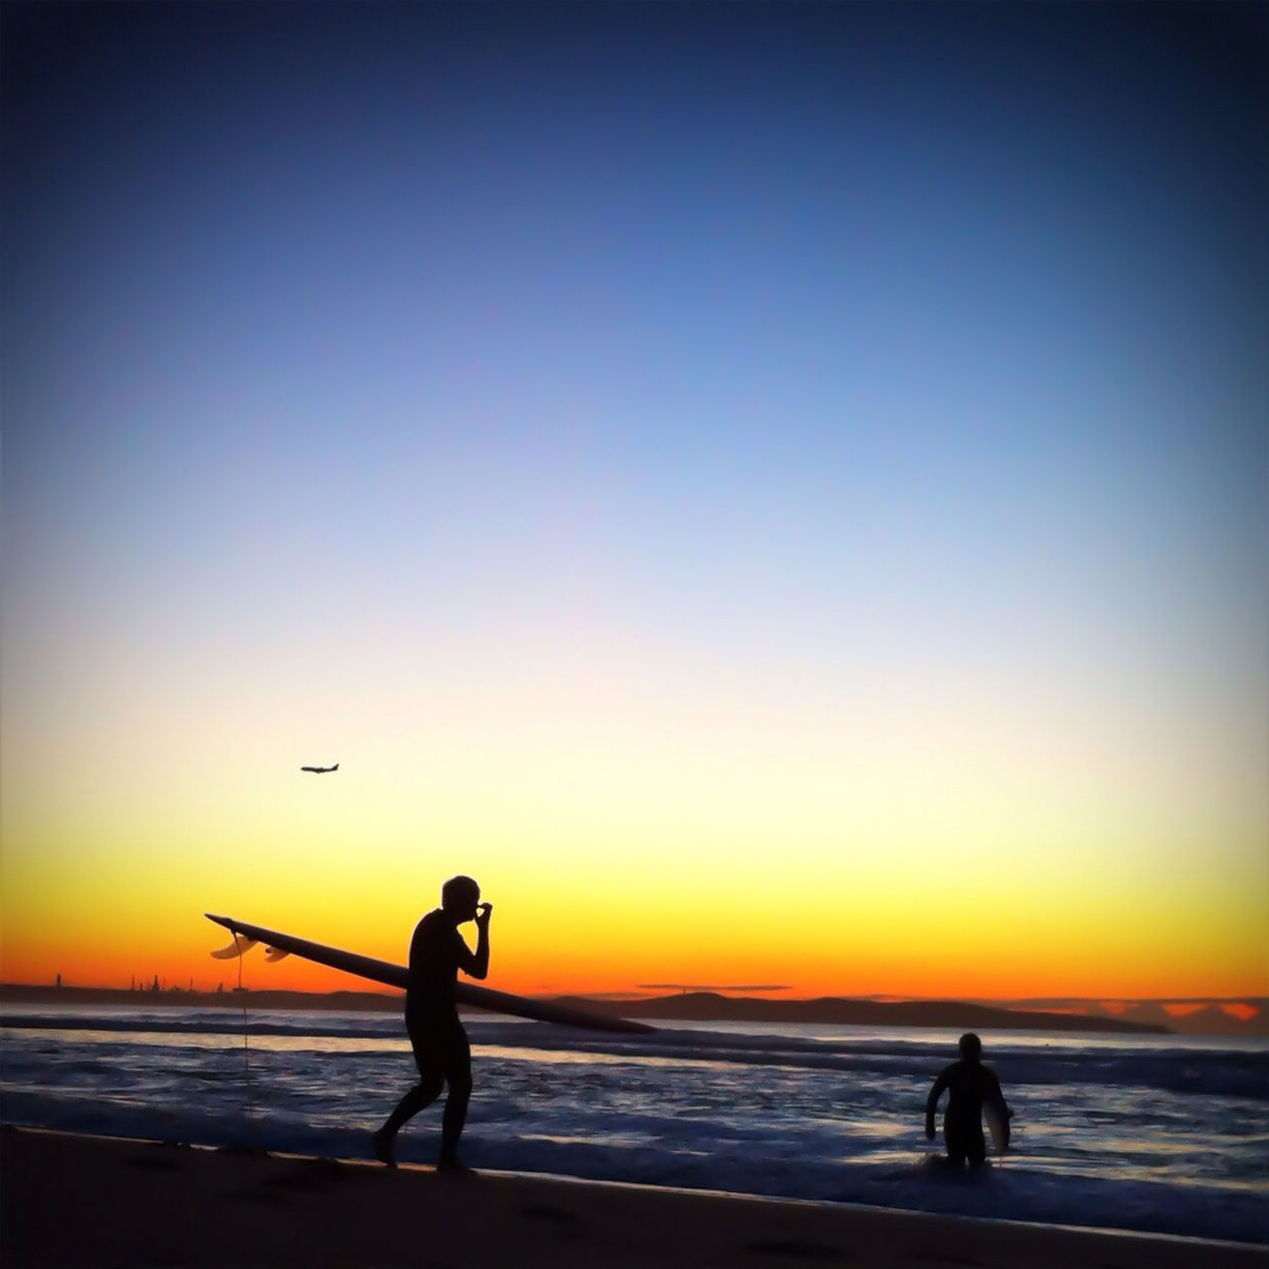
972,1088
441,1050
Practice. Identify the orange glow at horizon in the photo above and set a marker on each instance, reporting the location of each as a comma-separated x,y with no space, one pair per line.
1240,1010
608,956
713,859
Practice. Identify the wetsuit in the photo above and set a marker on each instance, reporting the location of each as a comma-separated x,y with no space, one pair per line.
970,1085
437,952
441,1051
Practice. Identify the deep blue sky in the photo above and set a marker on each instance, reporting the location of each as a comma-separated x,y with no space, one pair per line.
899,364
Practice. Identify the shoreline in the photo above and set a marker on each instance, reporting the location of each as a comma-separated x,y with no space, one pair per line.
73,1199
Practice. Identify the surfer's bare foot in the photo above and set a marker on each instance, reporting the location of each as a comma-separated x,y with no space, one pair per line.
383,1148
454,1168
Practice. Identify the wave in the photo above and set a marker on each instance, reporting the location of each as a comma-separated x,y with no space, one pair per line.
647,1153
1241,1073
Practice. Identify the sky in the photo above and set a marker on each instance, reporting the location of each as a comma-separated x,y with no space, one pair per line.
778,493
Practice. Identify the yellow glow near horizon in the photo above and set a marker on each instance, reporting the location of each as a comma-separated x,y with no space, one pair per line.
642,818
619,877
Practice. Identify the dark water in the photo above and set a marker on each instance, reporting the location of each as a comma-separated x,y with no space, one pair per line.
1158,1133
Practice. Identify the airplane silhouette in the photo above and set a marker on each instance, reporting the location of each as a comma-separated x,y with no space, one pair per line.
320,770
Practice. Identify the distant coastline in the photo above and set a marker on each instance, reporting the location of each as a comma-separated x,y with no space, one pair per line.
1149,1017
688,1006
179,998
705,1006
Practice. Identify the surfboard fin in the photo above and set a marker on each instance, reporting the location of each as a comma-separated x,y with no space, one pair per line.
275,954
240,945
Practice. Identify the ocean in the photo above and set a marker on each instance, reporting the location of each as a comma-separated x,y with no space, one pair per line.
1162,1133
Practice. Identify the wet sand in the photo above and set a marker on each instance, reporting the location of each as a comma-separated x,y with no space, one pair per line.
72,1200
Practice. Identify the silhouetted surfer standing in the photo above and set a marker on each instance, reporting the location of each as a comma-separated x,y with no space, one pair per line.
972,1088
441,1051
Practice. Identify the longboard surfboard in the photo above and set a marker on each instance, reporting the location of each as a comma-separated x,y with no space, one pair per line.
392,975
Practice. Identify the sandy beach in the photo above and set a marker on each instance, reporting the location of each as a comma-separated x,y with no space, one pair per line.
94,1201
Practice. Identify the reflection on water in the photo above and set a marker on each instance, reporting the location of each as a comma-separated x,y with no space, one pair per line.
1106,1130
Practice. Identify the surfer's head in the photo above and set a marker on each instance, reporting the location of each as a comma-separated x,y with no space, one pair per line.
459,896
971,1047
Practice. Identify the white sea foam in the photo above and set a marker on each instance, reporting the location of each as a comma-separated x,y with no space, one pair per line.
1160,1133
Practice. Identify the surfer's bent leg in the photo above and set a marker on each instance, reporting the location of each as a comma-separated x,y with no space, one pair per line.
458,1077
422,1095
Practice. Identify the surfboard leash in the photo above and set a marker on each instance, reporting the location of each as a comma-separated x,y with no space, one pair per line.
246,1046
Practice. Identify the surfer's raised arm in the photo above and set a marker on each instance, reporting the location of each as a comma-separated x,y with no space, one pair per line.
479,966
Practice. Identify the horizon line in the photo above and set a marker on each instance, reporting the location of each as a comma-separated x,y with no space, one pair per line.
634,994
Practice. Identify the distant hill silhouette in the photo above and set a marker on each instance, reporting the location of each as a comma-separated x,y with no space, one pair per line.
1205,1017
708,1006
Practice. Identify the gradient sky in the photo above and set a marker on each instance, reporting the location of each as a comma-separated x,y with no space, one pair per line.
778,493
